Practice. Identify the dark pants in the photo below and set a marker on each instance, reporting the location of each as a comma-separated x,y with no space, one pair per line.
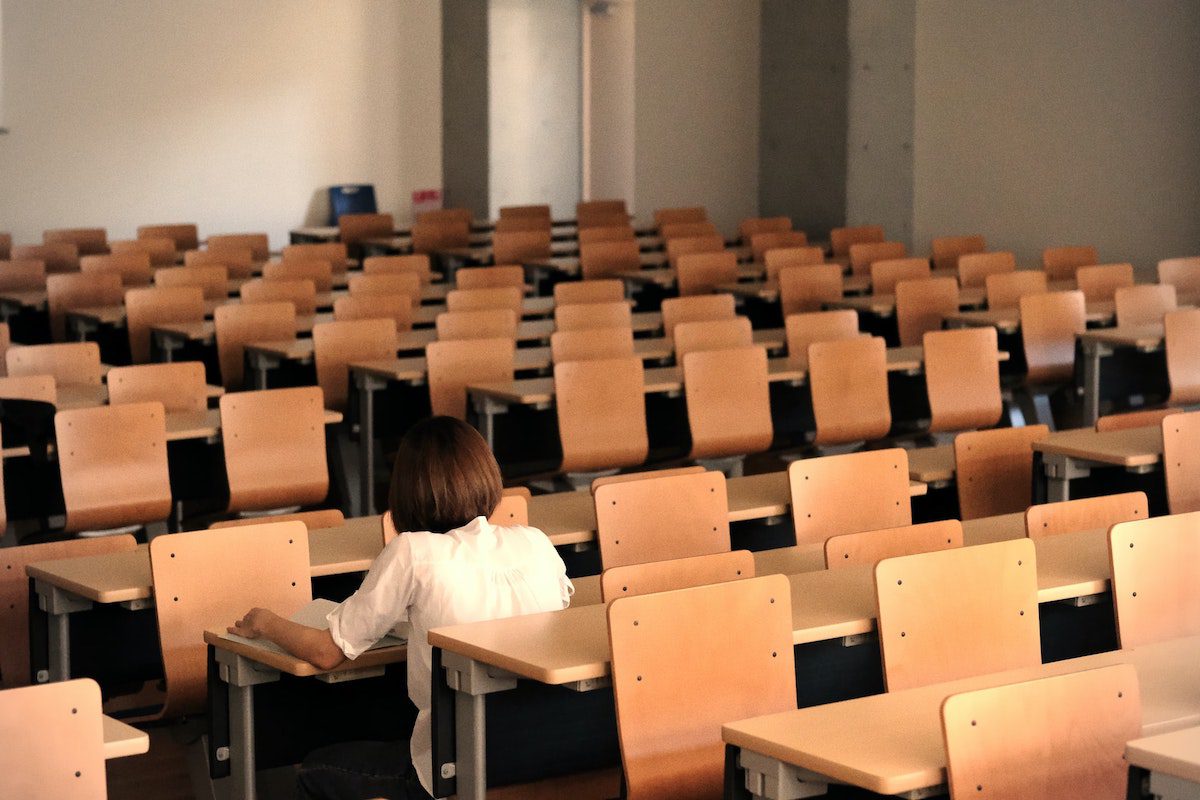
360,771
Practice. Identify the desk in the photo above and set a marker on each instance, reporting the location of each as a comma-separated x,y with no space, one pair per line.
892,743
172,336
1008,320
884,305
570,648
1101,343
1173,760
1073,454
569,265
121,740
13,303
664,277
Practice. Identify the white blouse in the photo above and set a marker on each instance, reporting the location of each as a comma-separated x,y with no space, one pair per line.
429,580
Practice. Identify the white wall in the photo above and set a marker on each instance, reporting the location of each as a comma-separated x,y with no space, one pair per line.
534,104
1056,123
609,103
697,89
225,113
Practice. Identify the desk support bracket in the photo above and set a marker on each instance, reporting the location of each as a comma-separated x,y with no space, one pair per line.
472,681
242,675
1060,470
58,604
773,780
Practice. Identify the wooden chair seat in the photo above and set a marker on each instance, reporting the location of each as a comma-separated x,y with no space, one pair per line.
848,381
180,386
841,239
605,259
452,365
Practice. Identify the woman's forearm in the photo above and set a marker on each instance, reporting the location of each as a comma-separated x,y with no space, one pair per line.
310,644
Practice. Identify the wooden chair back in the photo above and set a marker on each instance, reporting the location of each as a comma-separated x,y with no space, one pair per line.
180,386
1100,283
841,239
483,324
779,258
53,742
690,245
513,508
848,382
134,269
670,216
569,293
962,379
258,243
590,344
239,324
679,661
207,579
808,289
1145,418
490,277
59,257
945,250
958,613
829,498
728,402
1144,305
1005,290
113,461
211,280
517,247
871,547
1154,586
509,297
662,517
453,365
762,243
387,283
430,237
1084,514
76,290
319,272
1024,739
5,245
633,580
274,443
537,211
1181,338
715,334
1181,461
922,306
586,208
1060,263
702,273
461,215
754,225
606,259
417,263
313,520
39,388
994,470
5,346
591,234
239,261
354,228
641,475
1182,273
601,409
694,309
801,330
396,307
333,252
512,224
887,273
974,268
26,275
150,306
89,241
161,251
302,294
688,230
70,364
1049,324
337,344
585,316
186,236
14,595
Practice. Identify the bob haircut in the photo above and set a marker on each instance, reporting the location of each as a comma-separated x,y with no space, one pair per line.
445,476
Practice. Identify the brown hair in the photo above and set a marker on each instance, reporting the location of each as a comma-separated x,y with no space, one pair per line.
445,476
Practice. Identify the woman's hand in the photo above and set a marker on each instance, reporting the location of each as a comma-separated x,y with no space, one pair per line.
254,624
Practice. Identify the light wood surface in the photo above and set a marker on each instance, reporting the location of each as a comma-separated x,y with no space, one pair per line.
1143,337
1133,447
892,743
298,667
1008,320
121,740
1176,754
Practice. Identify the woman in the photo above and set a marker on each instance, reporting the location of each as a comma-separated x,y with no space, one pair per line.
450,566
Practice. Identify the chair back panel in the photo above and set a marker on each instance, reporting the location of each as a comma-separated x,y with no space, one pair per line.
945,250
840,239
89,241
319,272
590,344
702,273
728,402
395,307
974,268
238,260
887,273
1181,338
808,289
608,258
490,277
780,257
1144,305
337,344
1181,461
694,309
1049,324
714,334
71,363
994,470
848,382
633,580
186,236
417,263
688,230
1060,263
613,314
569,293
536,211
430,237
1085,514
513,509
508,297
517,247
354,228
453,365
239,324
691,245
762,243
133,267
754,225
258,243
53,742
76,290
1099,283
302,294
494,323
862,256
850,493
40,388
58,257
26,275
1145,418
1154,581
871,547
670,216
601,409
212,280
179,386
818,326
1182,273
962,379
145,308
333,252
604,230
922,306
1006,289
384,283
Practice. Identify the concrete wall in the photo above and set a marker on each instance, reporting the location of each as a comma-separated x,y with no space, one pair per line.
697,88
881,115
534,104
464,105
803,118
225,113
609,102
1042,124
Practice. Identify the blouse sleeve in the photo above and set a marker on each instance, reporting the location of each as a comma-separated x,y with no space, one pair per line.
379,605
